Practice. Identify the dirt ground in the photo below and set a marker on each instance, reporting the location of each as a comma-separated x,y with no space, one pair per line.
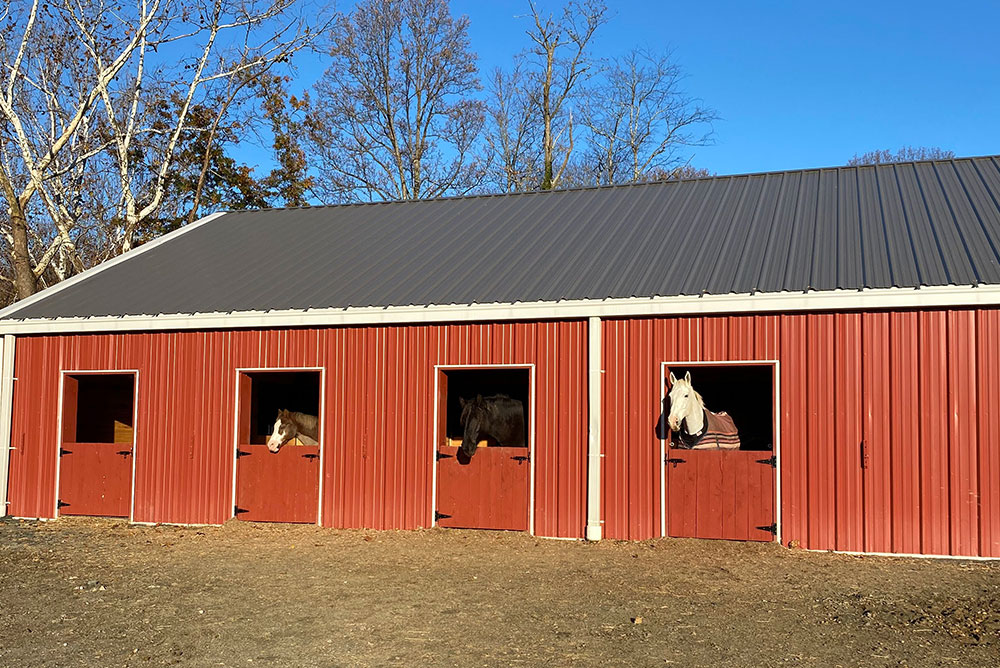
87,592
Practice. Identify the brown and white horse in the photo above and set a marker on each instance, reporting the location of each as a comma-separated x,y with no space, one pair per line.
696,427
291,425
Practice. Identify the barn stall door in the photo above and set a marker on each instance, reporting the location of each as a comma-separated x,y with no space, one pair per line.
281,486
492,490
96,445
726,494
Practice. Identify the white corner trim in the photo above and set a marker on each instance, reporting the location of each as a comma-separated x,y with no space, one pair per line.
595,356
6,413
93,271
773,302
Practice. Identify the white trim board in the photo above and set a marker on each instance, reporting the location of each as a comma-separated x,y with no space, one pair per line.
775,302
6,415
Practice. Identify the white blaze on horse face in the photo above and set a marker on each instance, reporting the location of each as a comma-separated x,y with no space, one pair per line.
274,442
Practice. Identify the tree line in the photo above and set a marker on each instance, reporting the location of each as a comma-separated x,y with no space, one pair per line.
121,120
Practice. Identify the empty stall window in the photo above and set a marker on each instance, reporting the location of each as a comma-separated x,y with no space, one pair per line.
744,391
103,407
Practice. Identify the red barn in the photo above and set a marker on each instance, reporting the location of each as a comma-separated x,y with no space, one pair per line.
848,319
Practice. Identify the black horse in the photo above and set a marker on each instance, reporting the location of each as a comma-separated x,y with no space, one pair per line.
498,417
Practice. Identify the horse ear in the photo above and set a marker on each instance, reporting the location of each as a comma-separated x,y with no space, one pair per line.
461,402
687,377
673,378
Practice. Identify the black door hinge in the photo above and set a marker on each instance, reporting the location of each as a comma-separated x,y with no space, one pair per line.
438,515
237,510
673,460
772,528
242,453
310,455
64,451
771,461
442,455
521,458
61,504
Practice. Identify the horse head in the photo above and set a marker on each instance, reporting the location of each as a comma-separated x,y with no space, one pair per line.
473,417
685,403
284,430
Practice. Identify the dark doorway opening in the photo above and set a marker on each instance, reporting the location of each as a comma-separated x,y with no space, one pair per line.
271,391
104,408
745,391
468,383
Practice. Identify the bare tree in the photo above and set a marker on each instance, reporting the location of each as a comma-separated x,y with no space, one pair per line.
557,64
513,134
82,121
394,116
47,98
904,154
638,118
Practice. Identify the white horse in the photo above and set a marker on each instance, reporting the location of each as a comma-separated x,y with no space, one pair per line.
291,425
697,427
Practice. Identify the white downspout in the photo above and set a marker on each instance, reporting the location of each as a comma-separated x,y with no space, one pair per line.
595,528
6,410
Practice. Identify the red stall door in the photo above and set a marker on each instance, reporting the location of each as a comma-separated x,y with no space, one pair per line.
491,491
277,487
95,479
725,494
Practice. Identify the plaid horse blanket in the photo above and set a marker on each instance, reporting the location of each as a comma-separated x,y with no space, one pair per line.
717,433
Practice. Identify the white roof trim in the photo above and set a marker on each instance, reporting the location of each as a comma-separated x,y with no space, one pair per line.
93,271
781,302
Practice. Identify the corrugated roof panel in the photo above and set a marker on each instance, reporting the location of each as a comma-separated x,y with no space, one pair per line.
953,247
824,253
759,234
774,267
798,268
925,243
977,245
875,267
905,225
850,261
720,276
678,234
899,242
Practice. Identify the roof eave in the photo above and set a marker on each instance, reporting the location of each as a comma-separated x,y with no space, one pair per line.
777,302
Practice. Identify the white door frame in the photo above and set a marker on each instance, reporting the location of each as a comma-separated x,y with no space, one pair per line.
135,426
438,370
321,425
776,422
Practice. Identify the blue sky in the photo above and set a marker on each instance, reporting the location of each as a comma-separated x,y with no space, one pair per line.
801,84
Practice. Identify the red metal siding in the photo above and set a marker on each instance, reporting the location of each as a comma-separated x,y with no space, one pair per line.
890,435
378,415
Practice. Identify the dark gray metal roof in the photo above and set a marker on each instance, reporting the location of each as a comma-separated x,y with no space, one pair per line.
900,225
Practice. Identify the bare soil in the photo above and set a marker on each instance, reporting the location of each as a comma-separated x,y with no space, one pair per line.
88,592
